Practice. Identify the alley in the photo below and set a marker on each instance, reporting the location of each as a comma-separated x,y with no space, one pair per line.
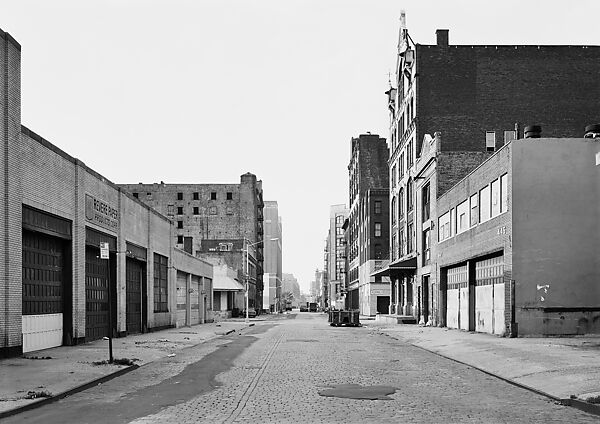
274,372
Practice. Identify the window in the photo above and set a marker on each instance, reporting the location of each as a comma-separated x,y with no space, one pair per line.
229,210
161,286
401,247
426,203
378,229
504,193
509,136
444,226
180,224
196,195
452,222
229,195
213,195
179,196
180,239
474,211
401,166
196,210
378,206
462,217
409,154
401,204
409,197
393,176
495,198
393,211
212,210
484,204
136,195
394,246
490,141
170,210
409,238
426,251
179,210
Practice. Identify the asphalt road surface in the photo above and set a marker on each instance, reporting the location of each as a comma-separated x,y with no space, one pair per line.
298,369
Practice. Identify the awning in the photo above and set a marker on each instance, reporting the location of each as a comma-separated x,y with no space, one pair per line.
225,283
405,265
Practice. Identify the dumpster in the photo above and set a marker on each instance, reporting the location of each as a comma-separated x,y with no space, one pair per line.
339,318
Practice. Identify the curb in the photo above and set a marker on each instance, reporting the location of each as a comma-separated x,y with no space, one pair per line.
69,392
590,408
85,386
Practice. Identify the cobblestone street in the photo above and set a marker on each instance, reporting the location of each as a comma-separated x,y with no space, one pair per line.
275,371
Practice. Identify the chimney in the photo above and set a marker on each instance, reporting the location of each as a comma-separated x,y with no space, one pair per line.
442,37
533,131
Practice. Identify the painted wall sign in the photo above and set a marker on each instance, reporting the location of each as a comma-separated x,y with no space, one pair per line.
380,292
101,213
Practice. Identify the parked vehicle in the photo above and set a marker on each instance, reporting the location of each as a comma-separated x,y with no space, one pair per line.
303,308
251,313
312,307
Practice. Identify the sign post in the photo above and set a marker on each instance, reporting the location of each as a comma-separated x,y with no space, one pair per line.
104,254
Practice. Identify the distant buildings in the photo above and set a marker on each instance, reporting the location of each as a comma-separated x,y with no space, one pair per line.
368,225
290,285
335,258
215,221
273,258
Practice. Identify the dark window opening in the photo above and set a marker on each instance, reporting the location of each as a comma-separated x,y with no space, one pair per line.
179,224
229,195
213,195
179,196
179,239
196,195
136,195
179,210
196,210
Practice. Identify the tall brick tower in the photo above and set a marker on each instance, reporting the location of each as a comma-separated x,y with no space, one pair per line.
10,197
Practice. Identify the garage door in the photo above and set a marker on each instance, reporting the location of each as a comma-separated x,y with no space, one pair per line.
133,295
457,303
489,295
43,291
96,294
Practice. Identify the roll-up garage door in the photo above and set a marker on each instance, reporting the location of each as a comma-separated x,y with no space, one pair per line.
133,295
457,300
44,283
489,295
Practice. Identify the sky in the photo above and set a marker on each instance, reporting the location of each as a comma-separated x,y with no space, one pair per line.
203,91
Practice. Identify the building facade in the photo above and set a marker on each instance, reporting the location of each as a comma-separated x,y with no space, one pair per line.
368,225
80,259
215,220
273,258
518,241
475,96
336,257
290,285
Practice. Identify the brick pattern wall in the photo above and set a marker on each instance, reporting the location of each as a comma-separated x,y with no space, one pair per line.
10,198
454,166
465,91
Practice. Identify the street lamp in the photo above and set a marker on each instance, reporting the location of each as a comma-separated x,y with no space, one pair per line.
248,245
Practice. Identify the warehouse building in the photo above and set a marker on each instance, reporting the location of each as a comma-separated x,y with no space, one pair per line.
80,259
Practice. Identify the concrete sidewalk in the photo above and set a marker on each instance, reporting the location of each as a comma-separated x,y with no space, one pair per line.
45,374
566,369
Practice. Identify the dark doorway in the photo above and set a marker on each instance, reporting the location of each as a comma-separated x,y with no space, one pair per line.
134,281
383,304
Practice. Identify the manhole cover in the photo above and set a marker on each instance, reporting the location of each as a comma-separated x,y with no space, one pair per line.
356,391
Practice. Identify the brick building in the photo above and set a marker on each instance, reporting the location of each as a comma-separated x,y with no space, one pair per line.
215,221
368,225
474,95
518,241
56,287
336,257
273,258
